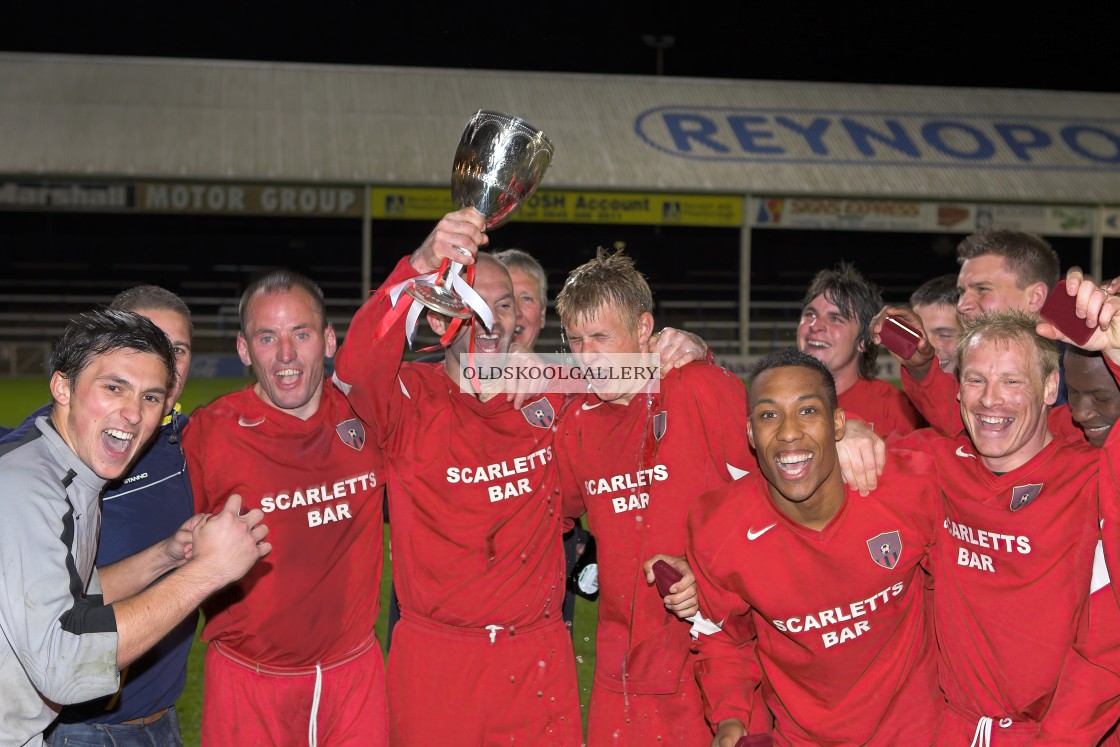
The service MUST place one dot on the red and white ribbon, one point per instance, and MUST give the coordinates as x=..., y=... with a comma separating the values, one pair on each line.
x=455, y=282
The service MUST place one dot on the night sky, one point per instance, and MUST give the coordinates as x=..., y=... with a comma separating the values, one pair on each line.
x=1065, y=47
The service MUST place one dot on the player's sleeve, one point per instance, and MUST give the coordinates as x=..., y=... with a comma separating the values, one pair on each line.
x=1086, y=702
x=935, y=398
x=726, y=665
x=721, y=402
x=1109, y=496
x=61, y=632
x=1060, y=422
x=921, y=441
x=367, y=366
x=904, y=417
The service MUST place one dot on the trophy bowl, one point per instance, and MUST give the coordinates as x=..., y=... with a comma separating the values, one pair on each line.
x=498, y=164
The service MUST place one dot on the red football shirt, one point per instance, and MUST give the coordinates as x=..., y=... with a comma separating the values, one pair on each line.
x=474, y=494
x=882, y=406
x=636, y=469
x=843, y=634
x=1012, y=571
x=1087, y=701
x=320, y=482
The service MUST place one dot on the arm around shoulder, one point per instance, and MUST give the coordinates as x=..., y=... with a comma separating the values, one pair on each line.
x=935, y=398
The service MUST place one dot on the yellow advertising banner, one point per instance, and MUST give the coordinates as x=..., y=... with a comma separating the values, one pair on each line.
x=568, y=206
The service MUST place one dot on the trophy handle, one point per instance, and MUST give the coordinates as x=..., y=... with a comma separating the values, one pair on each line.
x=453, y=269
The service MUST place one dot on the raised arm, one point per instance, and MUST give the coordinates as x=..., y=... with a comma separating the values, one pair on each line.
x=367, y=364
x=932, y=391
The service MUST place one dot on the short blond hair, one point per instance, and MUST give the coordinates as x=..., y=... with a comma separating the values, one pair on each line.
x=1009, y=325
x=610, y=278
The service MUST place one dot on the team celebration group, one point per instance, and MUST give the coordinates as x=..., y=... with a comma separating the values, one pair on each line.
x=815, y=558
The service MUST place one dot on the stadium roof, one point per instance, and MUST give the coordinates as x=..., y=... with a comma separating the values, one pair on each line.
x=106, y=117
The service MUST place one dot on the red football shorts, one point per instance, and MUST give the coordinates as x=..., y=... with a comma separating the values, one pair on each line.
x=676, y=719
x=957, y=728
x=452, y=686
x=244, y=707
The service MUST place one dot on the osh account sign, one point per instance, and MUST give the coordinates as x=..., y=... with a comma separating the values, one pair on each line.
x=571, y=206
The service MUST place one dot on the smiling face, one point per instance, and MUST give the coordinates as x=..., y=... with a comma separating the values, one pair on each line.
x=530, y=307
x=111, y=410
x=794, y=432
x=830, y=337
x=596, y=336
x=1094, y=399
x=491, y=281
x=942, y=330
x=1004, y=400
x=986, y=286
x=284, y=342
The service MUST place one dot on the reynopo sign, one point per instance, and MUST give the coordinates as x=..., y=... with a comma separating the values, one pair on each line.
x=882, y=138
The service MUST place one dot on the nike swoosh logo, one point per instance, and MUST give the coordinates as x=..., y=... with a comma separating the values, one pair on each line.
x=962, y=453
x=752, y=535
x=246, y=424
x=587, y=406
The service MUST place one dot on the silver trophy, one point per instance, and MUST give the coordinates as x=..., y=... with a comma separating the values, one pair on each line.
x=498, y=164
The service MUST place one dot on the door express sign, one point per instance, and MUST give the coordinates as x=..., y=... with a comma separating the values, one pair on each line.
x=882, y=138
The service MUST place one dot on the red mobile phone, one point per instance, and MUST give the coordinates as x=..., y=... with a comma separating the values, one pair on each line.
x=1059, y=309
x=899, y=337
x=665, y=575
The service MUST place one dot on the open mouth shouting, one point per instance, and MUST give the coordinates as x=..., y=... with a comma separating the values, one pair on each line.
x=116, y=441
x=488, y=342
x=793, y=464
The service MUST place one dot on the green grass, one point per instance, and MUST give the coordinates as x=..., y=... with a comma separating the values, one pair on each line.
x=18, y=397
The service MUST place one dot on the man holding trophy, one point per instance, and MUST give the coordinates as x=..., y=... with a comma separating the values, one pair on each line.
x=477, y=558
x=476, y=524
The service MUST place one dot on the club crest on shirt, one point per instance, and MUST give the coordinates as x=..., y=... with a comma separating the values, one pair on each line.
x=539, y=413
x=885, y=549
x=659, y=424
x=1021, y=495
x=352, y=433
